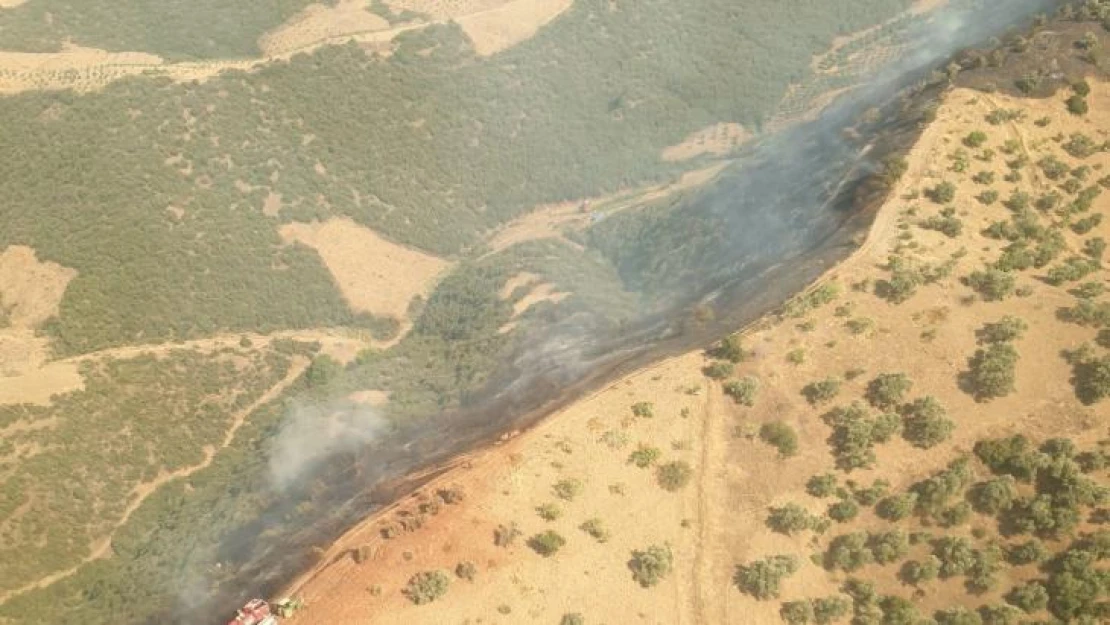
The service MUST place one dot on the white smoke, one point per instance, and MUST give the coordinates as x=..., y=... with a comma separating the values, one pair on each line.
x=312, y=432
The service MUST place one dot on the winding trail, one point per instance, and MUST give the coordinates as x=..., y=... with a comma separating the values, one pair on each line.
x=103, y=547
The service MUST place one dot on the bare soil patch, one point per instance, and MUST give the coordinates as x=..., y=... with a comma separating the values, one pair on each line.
x=445, y=9
x=375, y=275
x=319, y=21
x=499, y=28
x=30, y=292
x=716, y=140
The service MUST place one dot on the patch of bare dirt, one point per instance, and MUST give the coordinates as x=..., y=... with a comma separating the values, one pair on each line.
x=30, y=292
x=370, y=397
x=716, y=140
x=503, y=27
x=445, y=9
x=8, y=4
x=319, y=21
x=545, y=292
x=375, y=275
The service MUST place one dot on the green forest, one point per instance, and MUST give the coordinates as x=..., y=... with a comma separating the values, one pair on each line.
x=431, y=147
x=170, y=29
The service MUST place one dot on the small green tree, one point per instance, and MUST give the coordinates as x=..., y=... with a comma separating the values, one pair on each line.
x=651, y=565
x=731, y=348
x=466, y=570
x=897, y=507
x=994, y=495
x=991, y=372
x=572, y=618
x=828, y=610
x=992, y=284
x=718, y=370
x=916, y=572
x=1029, y=552
x=823, y=485
x=888, y=390
x=797, y=612
x=958, y=615
x=926, y=423
x=848, y=552
x=1077, y=105
x=844, y=510
x=789, y=519
x=1006, y=329
x=1031, y=597
x=889, y=546
x=762, y=579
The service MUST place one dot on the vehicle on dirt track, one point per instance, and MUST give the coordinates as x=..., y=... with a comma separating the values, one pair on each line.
x=258, y=612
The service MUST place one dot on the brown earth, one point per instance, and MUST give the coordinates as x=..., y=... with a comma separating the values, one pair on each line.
x=375, y=275
x=718, y=521
x=319, y=22
x=716, y=140
x=502, y=27
x=30, y=292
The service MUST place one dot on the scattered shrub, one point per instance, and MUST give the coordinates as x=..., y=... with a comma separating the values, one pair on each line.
x=821, y=391
x=596, y=529
x=942, y=193
x=828, y=610
x=568, y=489
x=572, y=618
x=644, y=456
x=427, y=586
x=1008, y=328
x=547, y=543
x=731, y=348
x=674, y=476
x=549, y=511
x=742, y=391
x=821, y=485
x=651, y=565
x=466, y=570
x=1077, y=105
x=780, y=436
x=506, y=535
x=643, y=409
x=718, y=370
x=975, y=139
x=992, y=284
